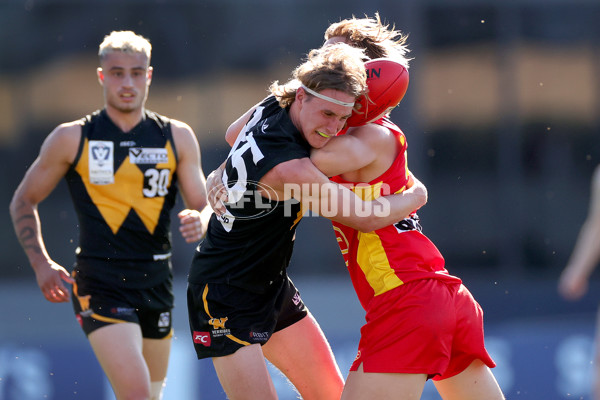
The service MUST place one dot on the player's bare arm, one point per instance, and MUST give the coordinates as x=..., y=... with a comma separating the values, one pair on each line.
x=56, y=156
x=366, y=151
x=192, y=183
x=300, y=179
x=573, y=282
x=236, y=127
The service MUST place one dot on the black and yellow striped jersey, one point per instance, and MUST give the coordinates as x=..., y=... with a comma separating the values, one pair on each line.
x=123, y=186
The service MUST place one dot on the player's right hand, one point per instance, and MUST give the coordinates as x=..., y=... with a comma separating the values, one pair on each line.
x=217, y=192
x=572, y=285
x=51, y=279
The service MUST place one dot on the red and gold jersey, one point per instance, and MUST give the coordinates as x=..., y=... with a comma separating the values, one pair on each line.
x=381, y=260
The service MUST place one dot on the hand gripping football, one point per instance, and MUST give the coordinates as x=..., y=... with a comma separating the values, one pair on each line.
x=387, y=81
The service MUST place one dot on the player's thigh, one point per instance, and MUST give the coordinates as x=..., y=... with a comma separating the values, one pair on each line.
x=476, y=382
x=244, y=374
x=156, y=353
x=302, y=353
x=383, y=386
x=118, y=348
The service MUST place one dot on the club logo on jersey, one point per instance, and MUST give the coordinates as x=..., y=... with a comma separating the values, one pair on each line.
x=218, y=323
x=141, y=155
x=101, y=156
x=202, y=338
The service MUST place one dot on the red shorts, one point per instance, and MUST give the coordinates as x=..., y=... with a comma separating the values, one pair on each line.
x=422, y=327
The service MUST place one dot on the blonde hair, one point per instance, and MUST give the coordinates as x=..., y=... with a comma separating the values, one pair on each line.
x=125, y=41
x=339, y=67
x=376, y=38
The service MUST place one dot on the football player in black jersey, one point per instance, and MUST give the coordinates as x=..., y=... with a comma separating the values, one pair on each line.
x=242, y=305
x=123, y=165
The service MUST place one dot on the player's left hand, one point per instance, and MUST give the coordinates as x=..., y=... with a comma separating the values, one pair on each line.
x=193, y=226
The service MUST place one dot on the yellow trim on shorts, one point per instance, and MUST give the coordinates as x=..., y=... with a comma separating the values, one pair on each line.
x=204, y=295
x=107, y=319
x=238, y=340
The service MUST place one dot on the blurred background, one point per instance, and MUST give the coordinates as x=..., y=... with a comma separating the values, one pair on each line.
x=502, y=123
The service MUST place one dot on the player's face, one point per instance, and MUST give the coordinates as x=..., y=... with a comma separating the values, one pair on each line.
x=320, y=120
x=125, y=78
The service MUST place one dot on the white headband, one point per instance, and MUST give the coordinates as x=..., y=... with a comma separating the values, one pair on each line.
x=327, y=98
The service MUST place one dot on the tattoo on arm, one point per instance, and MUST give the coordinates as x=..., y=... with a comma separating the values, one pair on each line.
x=26, y=234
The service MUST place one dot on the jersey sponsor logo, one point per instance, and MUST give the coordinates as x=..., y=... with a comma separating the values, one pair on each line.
x=127, y=143
x=202, y=338
x=259, y=336
x=143, y=155
x=122, y=310
x=101, y=158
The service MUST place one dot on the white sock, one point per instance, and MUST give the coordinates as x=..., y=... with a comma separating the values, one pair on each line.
x=156, y=389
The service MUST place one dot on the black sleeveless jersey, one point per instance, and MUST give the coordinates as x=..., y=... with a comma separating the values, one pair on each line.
x=123, y=187
x=251, y=245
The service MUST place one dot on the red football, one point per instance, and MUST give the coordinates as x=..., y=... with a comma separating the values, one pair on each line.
x=387, y=81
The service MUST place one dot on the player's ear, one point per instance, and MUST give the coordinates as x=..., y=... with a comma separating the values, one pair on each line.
x=300, y=94
x=100, y=74
x=149, y=76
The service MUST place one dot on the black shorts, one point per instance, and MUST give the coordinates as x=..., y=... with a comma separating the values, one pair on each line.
x=225, y=318
x=97, y=304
